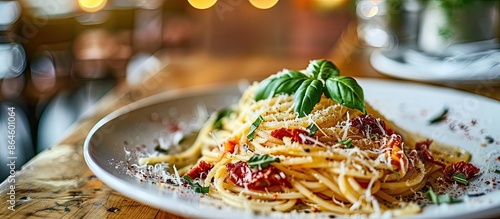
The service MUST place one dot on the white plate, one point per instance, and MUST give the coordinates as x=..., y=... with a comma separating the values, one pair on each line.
x=470, y=119
x=410, y=64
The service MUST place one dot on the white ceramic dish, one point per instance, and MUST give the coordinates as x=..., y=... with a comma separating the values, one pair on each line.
x=483, y=67
x=470, y=119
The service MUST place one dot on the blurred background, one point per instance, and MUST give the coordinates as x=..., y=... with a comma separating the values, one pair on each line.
x=59, y=57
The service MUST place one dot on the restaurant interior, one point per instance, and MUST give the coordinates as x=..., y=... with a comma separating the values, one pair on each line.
x=59, y=59
x=61, y=56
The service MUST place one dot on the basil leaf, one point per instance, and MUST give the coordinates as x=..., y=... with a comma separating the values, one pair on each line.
x=254, y=127
x=398, y=175
x=489, y=139
x=347, y=142
x=439, y=199
x=322, y=76
x=312, y=129
x=322, y=69
x=201, y=189
x=261, y=161
x=345, y=91
x=195, y=186
x=497, y=171
x=220, y=115
x=461, y=178
x=285, y=82
x=432, y=196
x=188, y=179
x=307, y=96
x=441, y=117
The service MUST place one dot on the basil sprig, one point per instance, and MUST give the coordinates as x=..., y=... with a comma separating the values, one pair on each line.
x=321, y=77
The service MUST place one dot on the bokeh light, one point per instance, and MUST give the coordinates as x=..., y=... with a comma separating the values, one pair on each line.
x=43, y=73
x=13, y=60
x=367, y=9
x=9, y=13
x=202, y=4
x=263, y=4
x=92, y=5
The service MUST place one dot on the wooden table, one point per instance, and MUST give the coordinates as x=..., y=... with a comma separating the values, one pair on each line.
x=58, y=184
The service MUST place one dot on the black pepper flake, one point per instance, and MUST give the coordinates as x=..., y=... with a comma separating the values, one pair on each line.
x=473, y=122
x=113, y=209
x=331, y=216
x=307, y=150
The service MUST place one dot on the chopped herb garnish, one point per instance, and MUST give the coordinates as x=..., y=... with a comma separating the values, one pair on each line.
x=461, y=178
x=254, y=127
x=312, y=129
x=160, y=149
x=220, y=115
x=398, y=175
x=444, y=198
x=440, y=199
x=497, y=171
x=347, y=142
x=188, y=179
x=261, y=161
x=321, y=77
x=374, y=136
x=441, y=117
x=195, y=186
x=489, y=139
x=432, y=196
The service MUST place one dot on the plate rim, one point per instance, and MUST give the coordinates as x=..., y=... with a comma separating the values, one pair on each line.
x=377, y=57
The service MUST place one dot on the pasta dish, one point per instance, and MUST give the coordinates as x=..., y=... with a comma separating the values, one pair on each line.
x=307, y=140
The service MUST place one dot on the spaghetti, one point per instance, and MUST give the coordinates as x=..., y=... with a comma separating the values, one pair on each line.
x=263, y=156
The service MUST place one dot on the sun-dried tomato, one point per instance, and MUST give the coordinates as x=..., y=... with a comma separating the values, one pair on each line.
x=259, y=178
x=200, y=170
x=368, y=124
x=468, y=169
x=294, y=134
x=424, y=153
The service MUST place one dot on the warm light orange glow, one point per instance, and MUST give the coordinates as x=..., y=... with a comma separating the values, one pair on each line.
x=263, y=4
x=202, y=4
x=92, y=5
x=330, y=4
